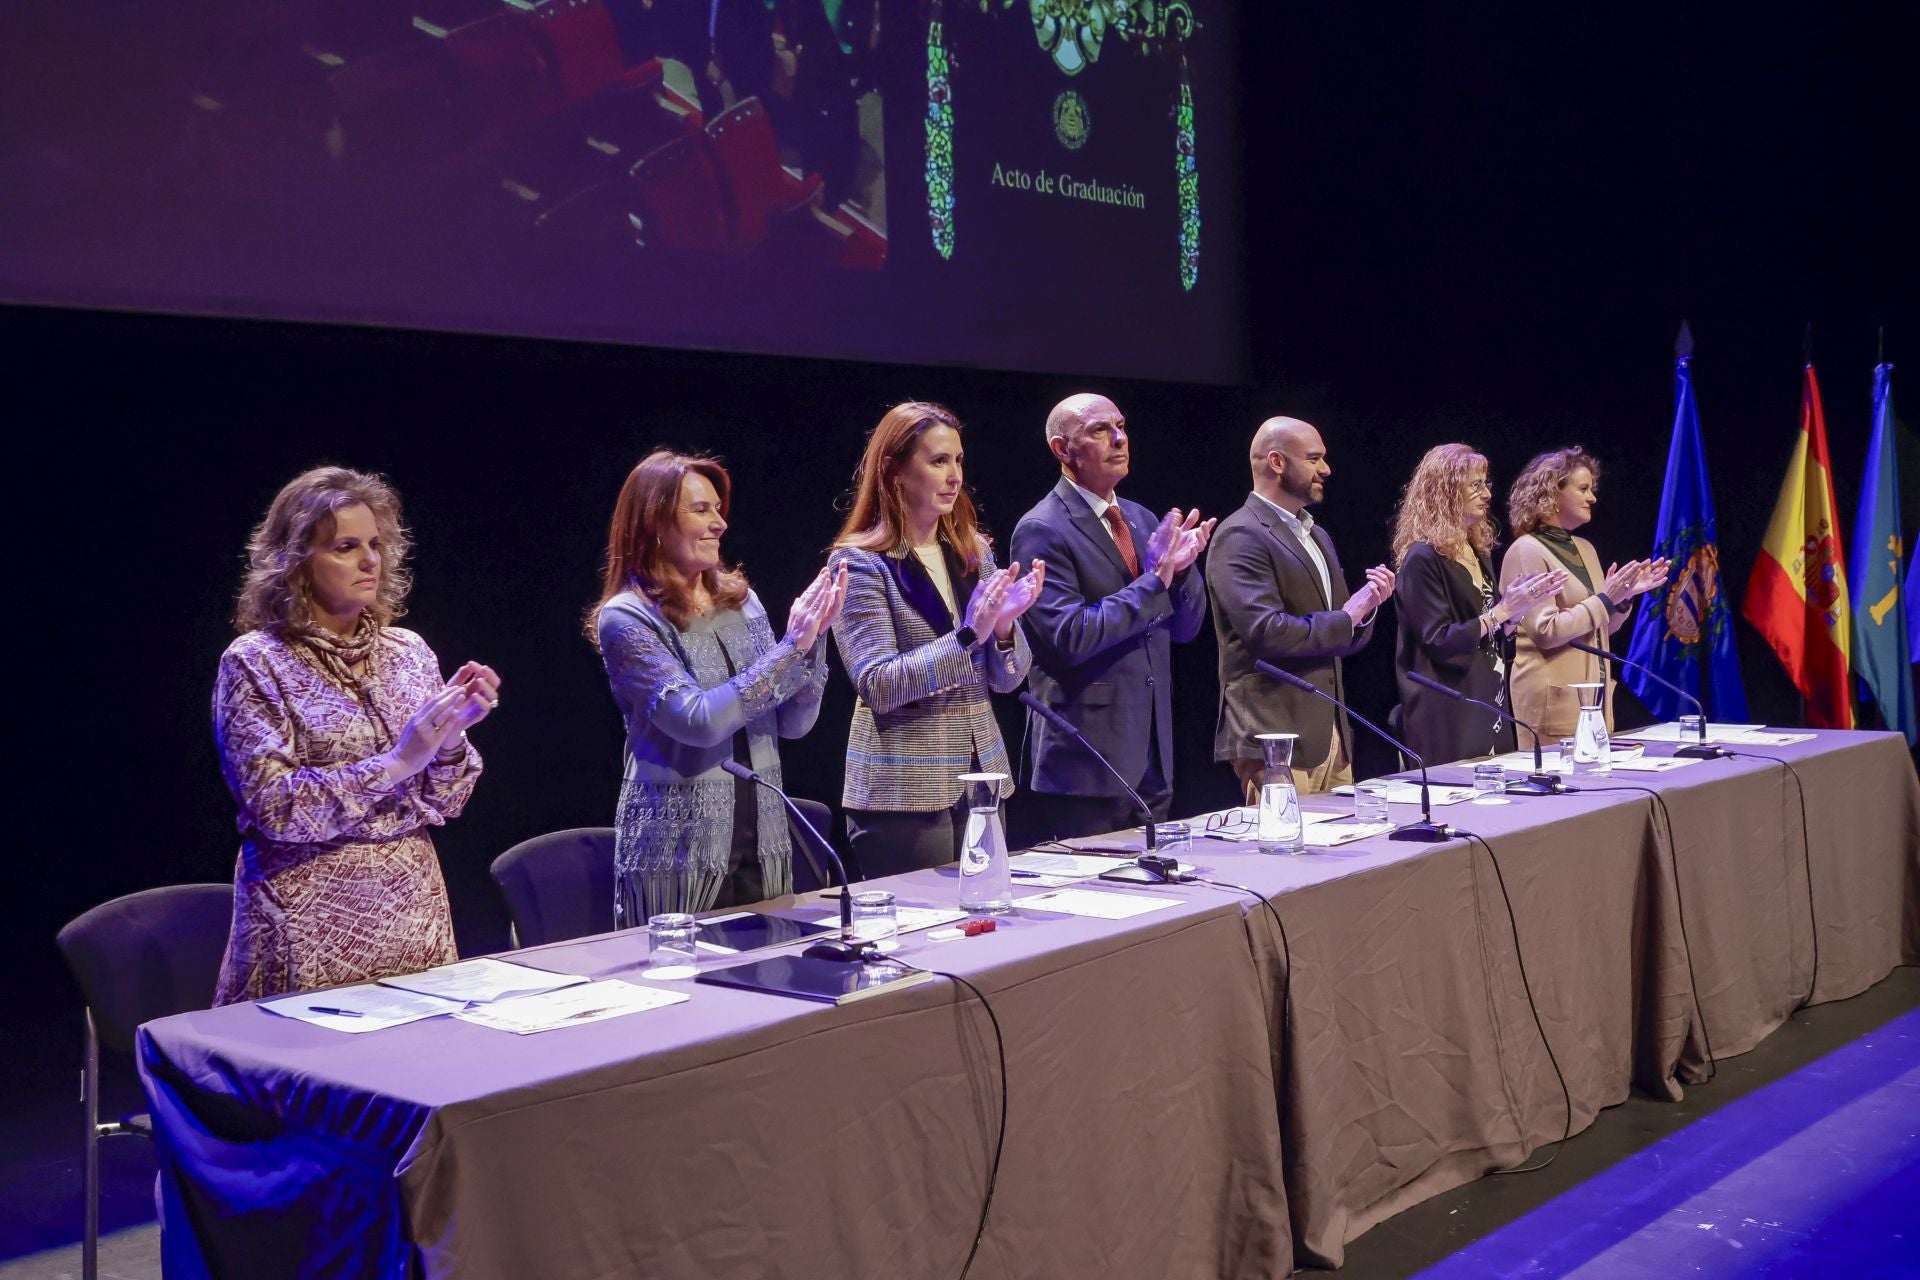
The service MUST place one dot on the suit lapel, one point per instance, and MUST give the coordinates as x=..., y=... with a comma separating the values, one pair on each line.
x=916, y=587
x=1284, y=539
x=1092, y=528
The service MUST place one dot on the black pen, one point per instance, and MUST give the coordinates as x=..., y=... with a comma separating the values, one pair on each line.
x=338, y=1013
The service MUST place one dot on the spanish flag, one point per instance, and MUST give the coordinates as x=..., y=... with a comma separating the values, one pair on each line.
x=1797, y=596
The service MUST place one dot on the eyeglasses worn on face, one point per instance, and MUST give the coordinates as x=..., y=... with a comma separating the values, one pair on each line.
x=1479, y=486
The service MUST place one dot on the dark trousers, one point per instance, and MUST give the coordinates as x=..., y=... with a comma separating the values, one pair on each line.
x=887, y=843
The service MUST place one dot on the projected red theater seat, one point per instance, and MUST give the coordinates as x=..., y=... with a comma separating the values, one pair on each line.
x=758, y=187
x=677, y=198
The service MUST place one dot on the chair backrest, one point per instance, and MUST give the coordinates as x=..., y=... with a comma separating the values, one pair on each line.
x=678, y=197
x=585, y=46
x=148, y=955
x=559, y=885
x=748, y=160
x=812, y=868
x=504, y=71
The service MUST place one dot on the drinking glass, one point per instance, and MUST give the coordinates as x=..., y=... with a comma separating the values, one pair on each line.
x=1370, y=803
x=675, y=952
x=876, y=919
x=1489, y=782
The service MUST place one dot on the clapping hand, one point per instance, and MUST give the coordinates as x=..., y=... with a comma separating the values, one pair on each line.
x=1020, y=595
x=1379, y=585
x=1176, y=543
x=482, y=686
x=1524, y=593
x=466, y=700
x=814, y=612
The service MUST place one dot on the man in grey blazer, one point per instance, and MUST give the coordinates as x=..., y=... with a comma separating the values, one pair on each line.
x=1121, y=587
x=1280, y=596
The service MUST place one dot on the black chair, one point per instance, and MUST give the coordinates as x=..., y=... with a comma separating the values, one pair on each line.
x=812, y=867
x=137, y=958
x=559, y=885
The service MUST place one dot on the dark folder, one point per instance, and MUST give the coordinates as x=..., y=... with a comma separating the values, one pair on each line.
x=810, y=978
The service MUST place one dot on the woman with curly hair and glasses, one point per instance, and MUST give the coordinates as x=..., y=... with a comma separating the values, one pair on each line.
x=1454, y=626
x=342, y=744
x=1553, y=496
x=701, y=681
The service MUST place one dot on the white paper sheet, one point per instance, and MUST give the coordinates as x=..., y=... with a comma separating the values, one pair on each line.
x=1331, y=835
x=482, y=981
x=571, y=1006
x=1670, y=732
x=368, y=1007
x=1095, y=903
x=1654, y=764
x=1065, y=866
x=1402, y=792
x=1763, y=738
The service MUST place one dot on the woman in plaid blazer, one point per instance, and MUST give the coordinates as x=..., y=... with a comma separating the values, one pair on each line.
x=926, y=633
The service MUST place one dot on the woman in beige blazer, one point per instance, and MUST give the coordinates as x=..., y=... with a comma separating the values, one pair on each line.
x=1552, y=497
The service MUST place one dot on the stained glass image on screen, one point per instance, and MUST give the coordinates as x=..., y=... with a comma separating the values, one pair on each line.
x=1035, y=184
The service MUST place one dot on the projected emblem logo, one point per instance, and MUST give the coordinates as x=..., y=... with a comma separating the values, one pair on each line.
x=1071, y=123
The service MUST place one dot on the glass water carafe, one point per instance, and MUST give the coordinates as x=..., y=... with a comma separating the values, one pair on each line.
x=986, y=880
x=1592, y=747
x=1280, y=828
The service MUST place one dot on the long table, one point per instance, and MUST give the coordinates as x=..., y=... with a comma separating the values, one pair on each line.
x=1188, y=1093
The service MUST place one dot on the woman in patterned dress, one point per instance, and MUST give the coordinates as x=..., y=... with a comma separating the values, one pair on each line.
x=700, y=680
x=341, y=744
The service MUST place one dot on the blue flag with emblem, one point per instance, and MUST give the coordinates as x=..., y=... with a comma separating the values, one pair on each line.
x=1881, y=653
x=1685, y=629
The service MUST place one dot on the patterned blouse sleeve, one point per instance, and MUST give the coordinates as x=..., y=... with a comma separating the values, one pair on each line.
x=446, y=788
x=644, y=668
x=279, y=796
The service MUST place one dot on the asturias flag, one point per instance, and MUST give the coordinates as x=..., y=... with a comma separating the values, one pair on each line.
x=1797, y=597
x=1880, y=653
x=1685, y=629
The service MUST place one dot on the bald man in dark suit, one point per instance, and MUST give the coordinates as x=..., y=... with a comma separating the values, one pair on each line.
x=1122, y=588
x=1280, y=596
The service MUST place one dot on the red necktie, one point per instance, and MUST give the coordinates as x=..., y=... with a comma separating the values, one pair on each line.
x=1123, y=538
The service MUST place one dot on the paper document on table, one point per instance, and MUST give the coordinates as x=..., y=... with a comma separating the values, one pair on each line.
x=909, y=919
x=1670, y=732
x=1655, y=764
x=1065, y=866
x=570, y=1006
x=482, y=980
x=1402, y=792
x=1762, y=738
x=1094, y=903
x=363, y=1008
x=1522, y=762
x=1330, y=835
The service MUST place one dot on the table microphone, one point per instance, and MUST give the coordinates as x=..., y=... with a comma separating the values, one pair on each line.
x=846, y=948
x=1539, y=782
x=1421, y=832
x=1702, y=750
x=1156, y=869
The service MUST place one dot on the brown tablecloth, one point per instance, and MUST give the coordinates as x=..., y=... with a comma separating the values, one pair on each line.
x=742, y=1134
x=747, y=1135
x=1410, y=1062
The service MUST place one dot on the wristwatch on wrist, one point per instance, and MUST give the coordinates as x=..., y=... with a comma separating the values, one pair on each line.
x=967, y=637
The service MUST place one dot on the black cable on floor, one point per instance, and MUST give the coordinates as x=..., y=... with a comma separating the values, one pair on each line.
x=1000, y=1142
x=1680, y=912
x=1806, y=852
x=1519, y=955
x=1286, y=951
